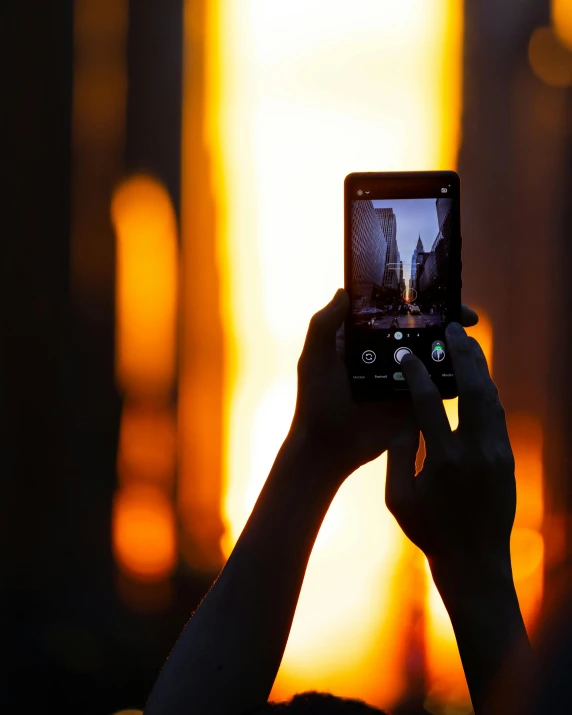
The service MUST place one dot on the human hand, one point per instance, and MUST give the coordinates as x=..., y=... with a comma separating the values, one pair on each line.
x=460, y=508
x=348, y=433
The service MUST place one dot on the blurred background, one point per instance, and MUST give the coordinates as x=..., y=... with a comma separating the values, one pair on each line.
x=172, y=217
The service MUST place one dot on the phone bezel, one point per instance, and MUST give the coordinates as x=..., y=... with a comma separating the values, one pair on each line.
x=406, y=185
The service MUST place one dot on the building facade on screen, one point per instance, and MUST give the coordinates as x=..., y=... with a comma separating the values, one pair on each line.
x=369, y=252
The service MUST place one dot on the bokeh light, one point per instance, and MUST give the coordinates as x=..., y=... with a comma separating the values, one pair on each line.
x=527, y=544
x=550, y=60
x=147, y=444
x=144, y=532
x=147, y=267
x=562, y=21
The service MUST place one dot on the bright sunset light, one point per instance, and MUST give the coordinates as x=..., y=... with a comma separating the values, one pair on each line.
x=299, y=95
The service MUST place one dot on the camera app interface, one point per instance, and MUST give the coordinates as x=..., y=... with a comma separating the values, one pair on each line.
x=399, y=275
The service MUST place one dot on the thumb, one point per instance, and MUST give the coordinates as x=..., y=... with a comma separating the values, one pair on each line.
x=400, y=480
x=326, y=322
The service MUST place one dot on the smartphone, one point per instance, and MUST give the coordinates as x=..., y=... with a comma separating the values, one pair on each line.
x=403, y=276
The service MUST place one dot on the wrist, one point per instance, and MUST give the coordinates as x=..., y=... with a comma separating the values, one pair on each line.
x=466, y=582
x=319, y=464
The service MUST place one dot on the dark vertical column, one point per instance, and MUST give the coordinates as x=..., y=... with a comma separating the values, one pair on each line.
x=35, y=138
x=153, y=124
x=154, y=95
x=514, y=166
x=35, y=266
x=558, y=442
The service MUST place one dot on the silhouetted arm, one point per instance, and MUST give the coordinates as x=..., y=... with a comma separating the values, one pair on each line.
x=499, y=663
x=460, y=510
x=227, y=658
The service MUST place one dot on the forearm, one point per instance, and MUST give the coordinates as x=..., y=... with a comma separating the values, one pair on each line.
x=227, y=658
x=498, y=661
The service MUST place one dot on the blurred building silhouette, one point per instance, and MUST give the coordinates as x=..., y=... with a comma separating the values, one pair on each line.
x=515, y=165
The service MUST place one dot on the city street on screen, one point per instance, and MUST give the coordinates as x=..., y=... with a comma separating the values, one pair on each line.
x=400, y=263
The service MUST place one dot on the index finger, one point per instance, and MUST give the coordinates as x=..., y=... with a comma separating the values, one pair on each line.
x=427, y=402
x=492, y=403
x=468, y=376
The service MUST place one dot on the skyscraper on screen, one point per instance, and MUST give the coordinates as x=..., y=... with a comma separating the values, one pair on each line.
x=369, y=252
x=388, y=223
x=414, y=259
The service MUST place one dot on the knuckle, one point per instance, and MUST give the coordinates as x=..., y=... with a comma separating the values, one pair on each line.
x=494, y=458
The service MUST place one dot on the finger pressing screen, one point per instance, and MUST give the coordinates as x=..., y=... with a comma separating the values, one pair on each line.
x=427, y=402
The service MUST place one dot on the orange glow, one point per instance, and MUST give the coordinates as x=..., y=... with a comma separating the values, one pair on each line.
x=144, y=532
x=146, y=233
x=527, y=545
x=482, y=332
x=201, y=368
x=147, y=444
x=527, y=549
x=297, y=97
x=144, y=538
x=550, y=60
x=562, y=21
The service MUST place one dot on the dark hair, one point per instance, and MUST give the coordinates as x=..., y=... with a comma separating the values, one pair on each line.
x=313, y=703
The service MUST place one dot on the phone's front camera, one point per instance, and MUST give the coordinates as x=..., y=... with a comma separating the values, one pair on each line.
x=359, y=192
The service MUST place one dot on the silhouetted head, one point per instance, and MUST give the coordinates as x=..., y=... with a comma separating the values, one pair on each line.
x=313, y=703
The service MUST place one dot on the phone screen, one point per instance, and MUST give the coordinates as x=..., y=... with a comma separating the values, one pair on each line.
x=403, y=275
